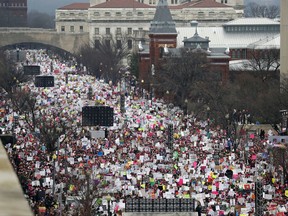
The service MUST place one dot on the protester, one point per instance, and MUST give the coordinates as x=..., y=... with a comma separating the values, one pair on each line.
x=134, y=159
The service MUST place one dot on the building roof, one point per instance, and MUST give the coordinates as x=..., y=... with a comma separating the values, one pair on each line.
x=196, y=38
x=122, y=4
x=252, y=21
x=249, y=65
x=76, y=6
x=266, y=43
x=220, y=38
x=162, y=22
x=205, y=4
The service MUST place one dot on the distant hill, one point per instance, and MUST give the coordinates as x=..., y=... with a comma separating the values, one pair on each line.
x=49, y=6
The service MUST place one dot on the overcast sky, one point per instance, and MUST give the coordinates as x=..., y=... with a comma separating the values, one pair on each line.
x=49, y=6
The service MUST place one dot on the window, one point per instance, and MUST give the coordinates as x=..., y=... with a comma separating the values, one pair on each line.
x=97, y=44
x=211, y=13
x=150, y=1
x=129, y=31
x=244, y=54
x=140, y=29
x=118, y=14
x=71, y=28
x=172, y=1
x=62, y=14
x=129, y=43
x=81, y=28
x=81, y=14
x=96, y=30
x=107, y=14
x=161, y=51
x=119, y=44
x=71, y=14
x=238, y=54
x=96, y=14
x=140, y=14
x=107, y=30
x=62, y=28
x=118, y=30
x=129, y=14
x=201, y=14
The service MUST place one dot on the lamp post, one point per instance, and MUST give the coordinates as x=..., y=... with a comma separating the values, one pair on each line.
x=142, y=87
x=167, y=95
x=17, y=54
x=186, y=107
x=284, y=123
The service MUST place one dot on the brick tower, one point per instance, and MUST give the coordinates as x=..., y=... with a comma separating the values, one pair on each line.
x=13, y=13
x=162, y=32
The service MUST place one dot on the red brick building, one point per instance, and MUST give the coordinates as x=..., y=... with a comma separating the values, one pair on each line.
x=163, y=39
x=13, y=13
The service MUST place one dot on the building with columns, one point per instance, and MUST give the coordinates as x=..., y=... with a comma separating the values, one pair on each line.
x=233, y=3
x=132, y=17
x=13, y=13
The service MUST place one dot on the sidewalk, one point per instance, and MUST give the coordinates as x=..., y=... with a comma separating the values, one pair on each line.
x=12, y=200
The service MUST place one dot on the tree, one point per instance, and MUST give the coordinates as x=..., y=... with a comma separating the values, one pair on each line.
x=24, y=103
x=11, y=74
x=134, y=64
x=258, y=81
x=49, y=123
x=265, y=63
x=179, y=74
x=256, y=10
x=105, y=58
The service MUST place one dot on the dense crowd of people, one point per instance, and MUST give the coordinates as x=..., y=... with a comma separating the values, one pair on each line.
x=133, y=159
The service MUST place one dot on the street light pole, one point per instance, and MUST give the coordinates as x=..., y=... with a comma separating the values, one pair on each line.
x=17, y=54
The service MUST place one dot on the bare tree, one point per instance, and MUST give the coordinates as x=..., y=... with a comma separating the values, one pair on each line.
x=265, y=63
x=105, y=58
x=24, y=103
x=178, y=74
x=256, y=10
x=11, y=74
x=51, y=123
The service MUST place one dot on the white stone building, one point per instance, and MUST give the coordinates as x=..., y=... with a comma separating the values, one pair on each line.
x=132, y=17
